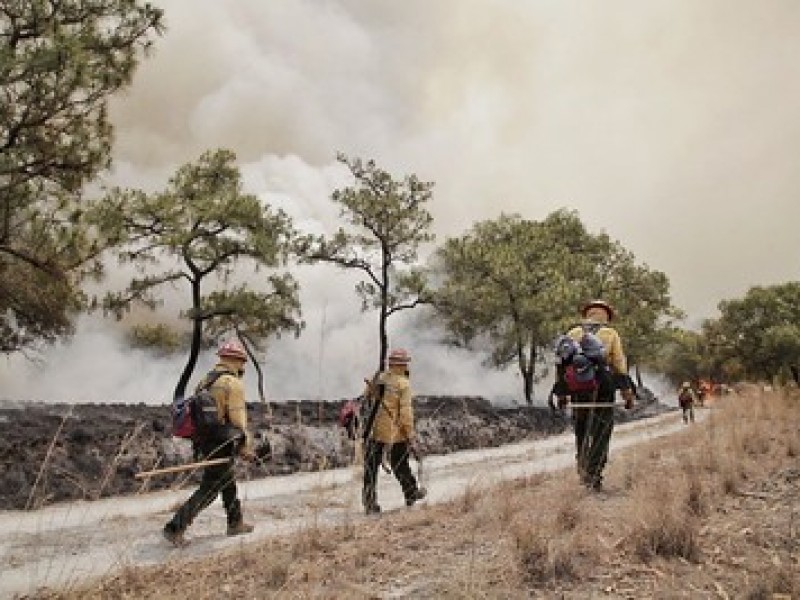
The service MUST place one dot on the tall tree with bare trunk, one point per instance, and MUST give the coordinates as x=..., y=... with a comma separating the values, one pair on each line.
x=204, y=231
x=388, y=221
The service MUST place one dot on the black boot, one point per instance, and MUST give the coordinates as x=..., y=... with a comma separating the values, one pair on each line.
x=236, y=524
x=416, y=495
x=173, y=535
x=239, y=528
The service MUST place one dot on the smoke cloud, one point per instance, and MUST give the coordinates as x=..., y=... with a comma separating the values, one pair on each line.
x=671, y=126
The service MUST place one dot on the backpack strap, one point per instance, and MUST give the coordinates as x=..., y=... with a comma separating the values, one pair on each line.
x=208, y=383
x=211, y=379
x=377, y=402
x=590, y=327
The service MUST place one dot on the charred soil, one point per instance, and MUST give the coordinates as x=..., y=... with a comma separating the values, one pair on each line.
x=54, y=452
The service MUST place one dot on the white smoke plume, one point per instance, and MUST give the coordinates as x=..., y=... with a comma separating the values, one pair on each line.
x=671, y=126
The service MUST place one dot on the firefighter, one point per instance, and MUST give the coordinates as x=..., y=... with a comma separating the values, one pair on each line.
x=593, y=426
x=686, y=399
x=390, y=432
x=230, y=437
x=703, y=392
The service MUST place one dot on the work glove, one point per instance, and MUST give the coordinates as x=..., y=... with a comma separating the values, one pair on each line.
x=629, y=397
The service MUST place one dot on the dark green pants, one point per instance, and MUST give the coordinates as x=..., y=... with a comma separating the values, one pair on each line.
x=398, y=460
x=217, y=480
x=593, y=427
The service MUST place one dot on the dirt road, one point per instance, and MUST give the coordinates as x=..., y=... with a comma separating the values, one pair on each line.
x=64, y=545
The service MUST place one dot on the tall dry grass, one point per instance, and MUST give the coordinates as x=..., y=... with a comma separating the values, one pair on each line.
x=538, y=536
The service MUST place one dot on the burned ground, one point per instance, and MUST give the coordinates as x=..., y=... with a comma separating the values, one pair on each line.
x=56, y=452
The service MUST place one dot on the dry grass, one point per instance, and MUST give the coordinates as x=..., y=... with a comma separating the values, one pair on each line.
x=35, y=498
x=667, y=522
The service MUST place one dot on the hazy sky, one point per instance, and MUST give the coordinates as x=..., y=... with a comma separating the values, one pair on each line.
x=671, y=125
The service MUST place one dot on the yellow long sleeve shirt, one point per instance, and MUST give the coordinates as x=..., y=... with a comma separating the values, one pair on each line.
x=394, y=421
x=228, y=393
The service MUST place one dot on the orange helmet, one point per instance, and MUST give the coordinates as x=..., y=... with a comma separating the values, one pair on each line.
x=599, y=304
x=398, y=356
x=232, y=349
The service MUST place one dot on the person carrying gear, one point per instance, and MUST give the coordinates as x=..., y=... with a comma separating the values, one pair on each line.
x=390, y=431
x=229, y=436
x=593, y=426
x=686, y=399
x=703, y=392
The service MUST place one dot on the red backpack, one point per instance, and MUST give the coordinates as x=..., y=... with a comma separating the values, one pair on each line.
x=348, y=417
x=195, y=416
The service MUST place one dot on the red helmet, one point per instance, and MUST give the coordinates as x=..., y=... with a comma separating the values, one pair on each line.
x=232, y=349
x=398, y=356
x=599, y=304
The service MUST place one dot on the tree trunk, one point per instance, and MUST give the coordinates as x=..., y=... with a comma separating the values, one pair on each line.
x=527, y=378
x=194, y=351
x=382, y=335
x=248, y=346
x=526, y=369
x=384, y=308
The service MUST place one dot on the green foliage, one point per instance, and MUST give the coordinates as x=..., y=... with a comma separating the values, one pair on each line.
x=682, y=356
x=504, y=285
x=200, y=228
x=388, y=223
x=511, y=285
x=639, y=295
x=160, y=338
x=59, y=64
x=756, y=336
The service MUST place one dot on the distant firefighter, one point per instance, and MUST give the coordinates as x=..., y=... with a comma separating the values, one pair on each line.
x=686, y=400
x=704, y=389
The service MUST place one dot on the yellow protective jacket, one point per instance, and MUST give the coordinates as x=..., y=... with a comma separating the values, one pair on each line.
x=615, y=356
x=394, y=420
x=228, y=392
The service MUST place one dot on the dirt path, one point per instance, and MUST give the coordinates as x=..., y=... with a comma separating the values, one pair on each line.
x=64, y=545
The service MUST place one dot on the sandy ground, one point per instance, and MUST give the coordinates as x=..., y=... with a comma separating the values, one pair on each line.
x=62, y=546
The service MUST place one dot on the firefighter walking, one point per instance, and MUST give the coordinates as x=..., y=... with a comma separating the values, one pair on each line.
x=390, y=431
x=230, y=438
x=593, y=426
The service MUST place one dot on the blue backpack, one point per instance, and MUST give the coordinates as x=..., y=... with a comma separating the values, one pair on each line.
x=582, y=359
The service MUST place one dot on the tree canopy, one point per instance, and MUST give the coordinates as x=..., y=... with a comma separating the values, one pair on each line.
x=388, y=221
x=198, y=231
x=510, y=285
x=640, y=296
x=502, y=287
x=758, y=335
x=59, y=64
